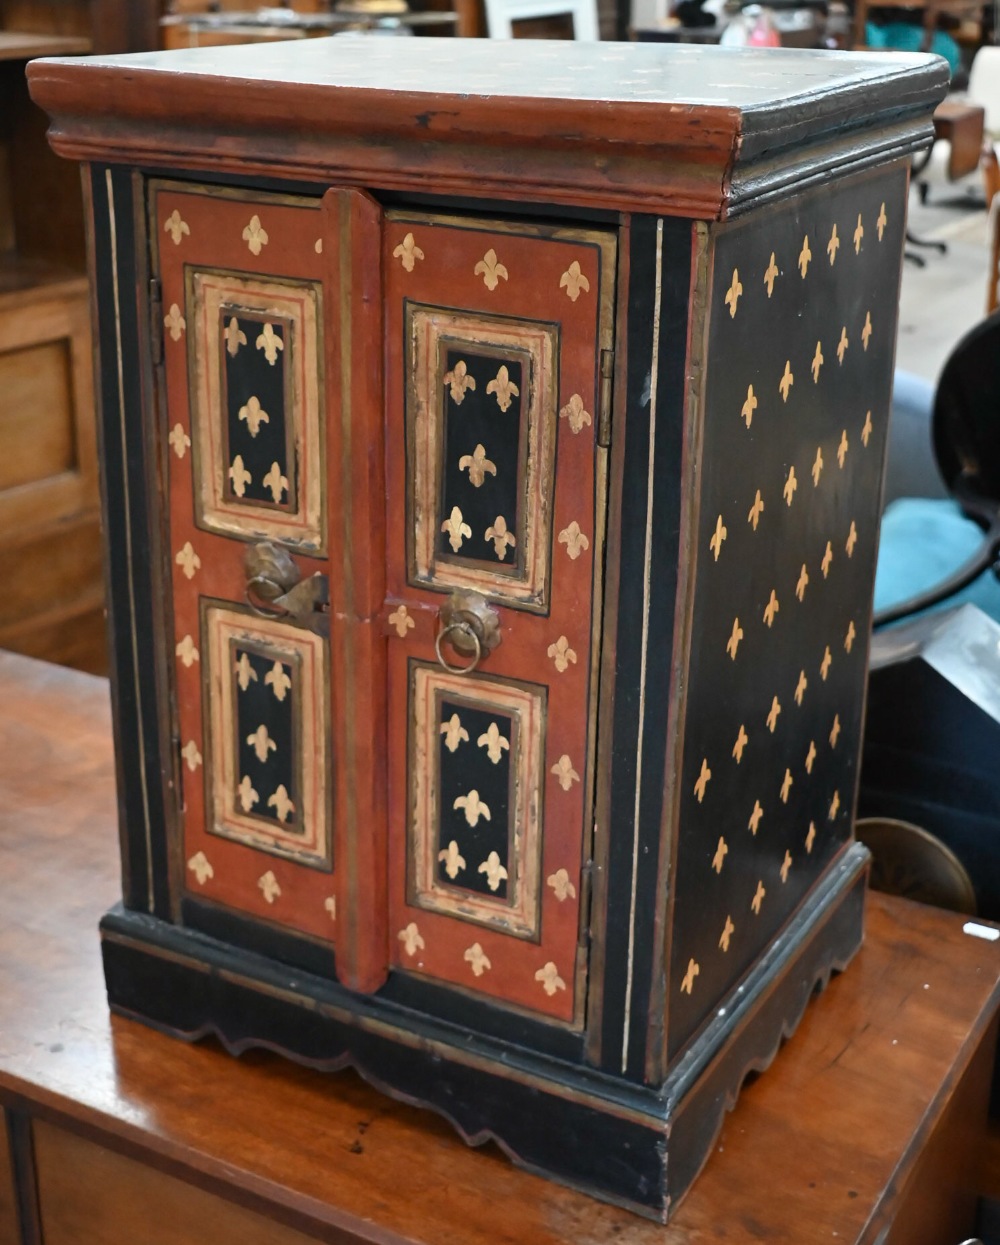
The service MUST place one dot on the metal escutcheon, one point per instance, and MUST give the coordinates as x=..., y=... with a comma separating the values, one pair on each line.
x=276, y=589
x=470, y=626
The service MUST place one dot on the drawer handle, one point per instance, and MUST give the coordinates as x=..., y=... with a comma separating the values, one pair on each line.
x=275, y=588
x=471, y=627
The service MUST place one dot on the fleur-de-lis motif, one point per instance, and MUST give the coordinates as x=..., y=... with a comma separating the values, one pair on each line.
x=786, y=786
x=866, y=332
x=827, y=559
x=817, y=363
x=490, y=269
x=176, y=227
x=803, y=583
x=174, y=322
x=733, y=294
x=179, y=440
x=255, y=235
x=561, y=885
x=281, y=804
x=842, y=449
x=477, y=959
x=727, y=932
x=187, y=652
x=771, y=608
x=473, y=808
x=859, y=234
x=188, y=560
x=791, y=484
x=687, y=984
x=835, y=730
x=269, y=887
x=575, y=412
x=817, y=467
x=811, y=756
x=753, y=825
x=550, y=979
x=410, y=937
x=742, y=739
x=882, y=221
x=852, y=539
x=504, y=389
x=245, y=673
x=704, y=777
x=235, y=337
x=278, y=681
x=454, y=732
x=850, y=637
x=191, y=755
x=842, y=344
x=275, y=483
x=758, y=898
x=494, y=870
x=771, y=275
x=733, y=643
x=715, y=544
x=239, y=476
x=253, y=414
x=454, y=862
x=459, y=380
x=478, y=465
x=573, y=281
x=501, y=537
x=248, y=796
x=562, y=654
x=800, y=687
x=456, y=528
x=786, y=865
x=564, y=771
x=200, y=867
x=756, y=510
x=749, y=406
x=824, y=665
x=574, y=540
x=262, y=743
x=833, y=246
x=494, y=743
x=787, y=380
x=810, y=838
x=407, y=252
x=805, y=255
x=866, y=431
x=721, y=852
x=401, y=620
x=772, y=716
x=834, y=807
x=330, y=905
x=269, y=341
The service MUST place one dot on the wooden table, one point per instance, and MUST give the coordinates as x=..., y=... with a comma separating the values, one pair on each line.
x=863, y=1130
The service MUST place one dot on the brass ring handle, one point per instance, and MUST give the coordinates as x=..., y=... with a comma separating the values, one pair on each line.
x=273, y=591
x=470, y=633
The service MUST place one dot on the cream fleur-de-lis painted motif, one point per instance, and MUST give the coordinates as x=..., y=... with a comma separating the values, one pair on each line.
x=562, y=887
x=248, y=796
x=174, y=322
x=721, y=852
x=407, y=252
x=179, y=440
x=459, y=380
x=564, y=771
x=454, y=861
x=235, y=337
x=733, y=294
x=275, y=483
x=805, y=255
x=866, y=431
x=704, y=777
x=833, y=246
x=177, y=227
x=825, y=664
x=269, y=887
x=786, y=786
x=245, y=673
x=727, y=932
x=456, y=528
x=200, y=867
x=550, y=979
x=188, y=560
x=491, y=270
x=771, y=275
x=827, y=559
x=882, y=221
x=786, y=865
x=186, y=651
x=842, y=344
x=477, y=959
x=330, y=906
x=269, y=341
x=503, y=539
x=454, y=733
x=401, y=620
x=772, y=715
x=742, y=739
x=817, y=467
x=803, y=583
x=239, y=475
x=852, y=539
x=575, y=413
x=720, y=534
x=255, y=235
x=835, y=730
x=494, y=870
x=810, y=838
x=811, y=756
x=561, y=654
x=834, y=807
x=574, y=540
x=503, y=388
x=758, y=898
x=262, y=743
x=473, y=807
x=733, y=643
x=756, y=510
x=411, y=937
x=866, y=332
x=253, y=415
x=791, y=484
x=494, y=743
x=787, y=380
x=771, y=608
x=478, y=466
x=753, y=825
x=191, y=755
x=278, y=681
x=842, y=449
x=817, y=363
x=859, y=234
x=573, y=281
x=749, y=406
x=800, y=687
x=850, y=637
x=687, y=984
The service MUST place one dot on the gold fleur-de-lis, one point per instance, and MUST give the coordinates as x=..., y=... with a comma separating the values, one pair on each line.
x=179, y=440
x=771, y=275
x=811, y=756
x=561, y=654
x=791, y=484
x=817, y=362
x=500, y=535
x=772, y=716
x=824, y=665
x=330, y=905
x=473, y=807
x=800, y=687
x=564, y=771
x=494, y=870
x=733, y=294
x=715, y=544
x=803, y=583
x=269, y=887
x=174, y=322
x=454, y=732
x=248, y=796
x=200, y=867
x=754, y=823
x=454, y=862
x=253, y=414
x=787, y=380
x=756, y=510
x=188, y=560
x=269, y=341
x=576, y=414
x=245, y=673
x=805, y=255
x=842, y=344
x=771, y=608
x=749, y=406
x=407, y=252
x=255, y=235
x=733, y=643
x=882, y=221
x=490, y=269
x=401, y=620
x=191, y=755
x=457, y=528
x=477, y=959
x=786, y=865
x=561, y=885
x=411, y=938
x=742, y=739
x=727, y=932
x=478, y=465
x=550, y=979
x=703, y=780
x=758, y=898
x=859, y=233
x=494, y=743
x=810, y=838
x=693, y=969
x=842, y=449
x=721, y=852
x=827, y=559
x=262, y=743
x=834, y=807
x=835, y=730
x=275, y=483
x=459, y=380
x=504, y=389
x=786, y=786
x=817, y=467
x=187, y=652
x=573, y=281
x=235, y=337
x=866, y=332
x=278, y=681
x=239, y=476
x=850, y=637
x=866, y=431
x=833, y=245
x=574, y=540
x=852, y=539
x=176, y=227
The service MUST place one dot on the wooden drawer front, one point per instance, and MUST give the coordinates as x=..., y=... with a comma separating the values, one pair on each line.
x=8, y=1203
x=92, y=1196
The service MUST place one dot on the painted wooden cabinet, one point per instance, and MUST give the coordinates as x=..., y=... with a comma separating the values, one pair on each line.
x=492, y=477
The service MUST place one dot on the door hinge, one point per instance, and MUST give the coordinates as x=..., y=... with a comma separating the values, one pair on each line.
x=156, y=319
x=607, y=387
